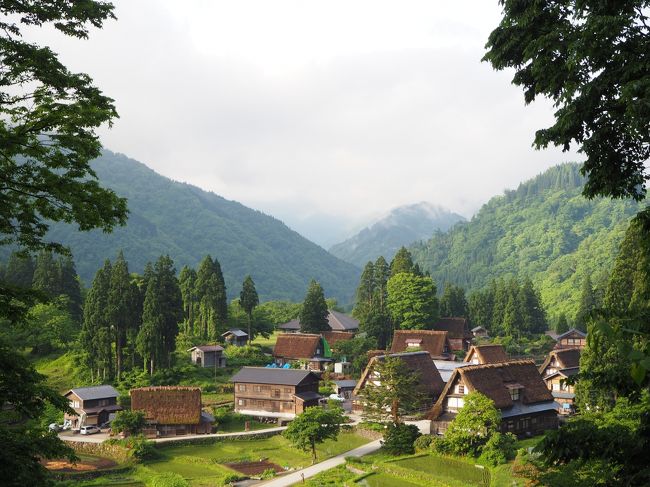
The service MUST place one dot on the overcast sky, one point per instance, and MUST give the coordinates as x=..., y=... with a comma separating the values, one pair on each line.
x=324, y=114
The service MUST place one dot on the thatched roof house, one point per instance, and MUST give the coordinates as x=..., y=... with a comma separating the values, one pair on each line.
x=432, y=341
x=557, y=360
x=171, y=410
x=429, y=381
x=573, y=338
x=457, y=332
x=302, y=346
x=486, y=354
x=334, y=337
x=517, y=389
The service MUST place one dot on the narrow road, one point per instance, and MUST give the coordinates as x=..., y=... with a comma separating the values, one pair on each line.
x=297, y=476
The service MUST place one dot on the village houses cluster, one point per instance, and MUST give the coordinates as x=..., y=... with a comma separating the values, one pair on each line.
x=530, y=397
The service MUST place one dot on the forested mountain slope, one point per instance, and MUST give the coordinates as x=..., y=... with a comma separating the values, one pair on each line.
x=167, y=217
x=545, y=230
x=401, y=227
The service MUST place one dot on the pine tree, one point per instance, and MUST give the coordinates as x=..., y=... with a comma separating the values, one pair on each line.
x=210, y=290
x=365, y=293
x=187, y=283
x=20, y=270
x=170, y=304
x=313, y=314
x=46, y=275
x=587, y=304
x=562, y=325
x=122, y=308
x=148, y=341
x=69, y=285
x=412, y=301
x=403, y=262
x=248, y=300
x=453, y=302
x=381, y=276
x=95, y=332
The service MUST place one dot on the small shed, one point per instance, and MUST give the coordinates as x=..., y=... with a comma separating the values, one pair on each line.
x=344, y=388
x=480, y=332
x=236, y=337
x=208, y=356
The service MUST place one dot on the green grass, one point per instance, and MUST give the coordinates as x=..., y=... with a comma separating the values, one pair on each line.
x=239, y=424
x=444, y=467
x=385, y=480
x=61, y=371
x=266, y=342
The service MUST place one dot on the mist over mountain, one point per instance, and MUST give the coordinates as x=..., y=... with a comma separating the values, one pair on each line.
x=186, y=222
x=401, y=227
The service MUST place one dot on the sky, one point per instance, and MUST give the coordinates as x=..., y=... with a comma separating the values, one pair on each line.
x=325, y=115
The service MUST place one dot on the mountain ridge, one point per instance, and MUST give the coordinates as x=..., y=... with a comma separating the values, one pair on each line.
x=402, y=226
x=187, y=222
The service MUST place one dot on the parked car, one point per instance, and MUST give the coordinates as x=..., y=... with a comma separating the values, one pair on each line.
x=89, y=430
x=55, y=427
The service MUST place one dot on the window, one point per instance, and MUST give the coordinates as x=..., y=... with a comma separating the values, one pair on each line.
x=242, y=387
x=287, y=390
x=276, y=392
x=455, y=402
x=556, y=386
x=260, y=404
x=103, y=402
x=514, y=394
x=258, y=388
x=241, y=402
x=461, y=389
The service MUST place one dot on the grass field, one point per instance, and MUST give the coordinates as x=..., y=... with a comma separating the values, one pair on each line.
x=385, y=480
x=239, y=424
x=266, y=342
x=447, y=468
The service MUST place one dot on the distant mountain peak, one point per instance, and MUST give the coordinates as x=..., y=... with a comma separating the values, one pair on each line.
x=402, y=226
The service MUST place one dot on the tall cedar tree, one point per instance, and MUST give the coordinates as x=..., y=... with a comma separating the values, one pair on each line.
x=95, y=331
x=588, y=304
x=210, y=290
x=412, y=301
x=453, y=302
x=122, y=309
x=248, y=300
x=403, y=262
x=371, y=297
x=313, y=314
x=149, y=343
x=70, y=287
x=187, y=283
x=395, y=395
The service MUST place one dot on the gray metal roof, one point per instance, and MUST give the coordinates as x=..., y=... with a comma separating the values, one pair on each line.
x=290, y=325
x=571, y=331
x=346, y=383
x=237, y=332
x=563, y=395
x=308, y=396
x=207, y=348
x=341, y=322
x=263, y=375
x=94, y=392
x=518, y=408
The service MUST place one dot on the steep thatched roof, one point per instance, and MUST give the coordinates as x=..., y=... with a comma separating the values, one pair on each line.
x=297, y=345
x=168, y=404
x=334, y=337
x=487, y=354
x=566, y=358
x=455, y=327
x=433, y=341
x=430, y=381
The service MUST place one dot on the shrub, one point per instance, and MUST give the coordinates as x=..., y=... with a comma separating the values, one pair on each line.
x=423, y=443
x=231, y=479
x=167, y=479
x=371, y=426
x=499, y=449
x=440, y=445
x=269, y=473
x=128, y=421
x=141, y=448
x=399, y=438
x=249, y=355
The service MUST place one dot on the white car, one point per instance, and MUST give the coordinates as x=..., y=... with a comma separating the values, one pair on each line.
x=89, y=430
x=336, y=397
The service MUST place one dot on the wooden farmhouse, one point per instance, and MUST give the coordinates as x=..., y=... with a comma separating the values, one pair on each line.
x=434, y=342
x=559, y=366
x=486, y=354
x=338, y=322
x=171, y=410
x=275, y=393
x=571, y=339
x=429, y=381
x=309, y=348
x=94, y=405
x=517, y=389
x=236, y=337
x=208, y=356
x=460, y=338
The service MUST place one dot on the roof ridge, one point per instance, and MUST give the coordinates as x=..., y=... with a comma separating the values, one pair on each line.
x=433, y=332
x=498, y=365
x=167, y=388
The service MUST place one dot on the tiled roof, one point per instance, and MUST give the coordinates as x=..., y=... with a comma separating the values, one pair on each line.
x=168, y=404
x=455, y=327
x=290, y=325
x=432, y=341
x=341, y=322
x=263, y=375
x=297, y=345
x=235, y=331
x=208, y=348
x=94, y=392
x=487, y=354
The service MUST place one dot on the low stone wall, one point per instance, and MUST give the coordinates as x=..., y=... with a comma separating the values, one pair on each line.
x=209, y=440
x=115, y=452
x=369, y=434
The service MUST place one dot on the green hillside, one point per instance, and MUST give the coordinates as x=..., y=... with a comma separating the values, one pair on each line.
x=545, y=230
x=167, y=217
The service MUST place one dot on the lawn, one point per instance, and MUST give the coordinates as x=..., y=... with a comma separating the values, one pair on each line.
x=447, y=468
x=238, y=423
x=385, y=480
x=266, y=342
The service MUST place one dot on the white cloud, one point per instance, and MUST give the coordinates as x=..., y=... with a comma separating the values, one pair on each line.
x=321, y=113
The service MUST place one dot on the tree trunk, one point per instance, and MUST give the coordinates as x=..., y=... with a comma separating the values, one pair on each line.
x=118, y=357
x=250, y=319
x=313, y=451
x=394, y=411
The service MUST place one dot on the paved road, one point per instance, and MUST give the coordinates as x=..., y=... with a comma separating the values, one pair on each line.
x=101, y=437
x=297, y=476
